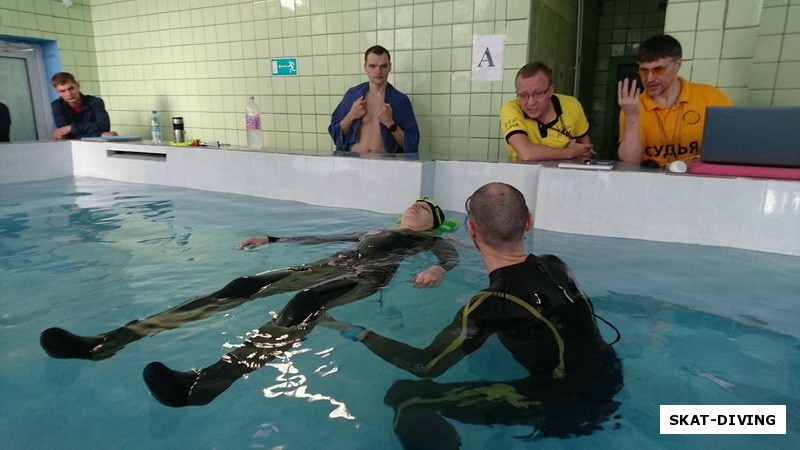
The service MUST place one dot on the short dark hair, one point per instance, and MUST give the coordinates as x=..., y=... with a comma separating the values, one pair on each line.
x=657, y=47
x=499, y=213
x=533, y=68
x=62, y=78
x=377, y=50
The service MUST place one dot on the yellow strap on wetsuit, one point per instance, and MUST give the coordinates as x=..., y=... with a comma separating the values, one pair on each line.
x=558, y=372
x=495, y=392
x=463, y=335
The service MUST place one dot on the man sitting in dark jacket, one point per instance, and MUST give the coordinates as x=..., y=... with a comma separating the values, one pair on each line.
x=77, y=115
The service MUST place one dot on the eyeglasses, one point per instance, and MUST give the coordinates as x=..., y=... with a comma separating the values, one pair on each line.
x=656, y=71
x=536, y=95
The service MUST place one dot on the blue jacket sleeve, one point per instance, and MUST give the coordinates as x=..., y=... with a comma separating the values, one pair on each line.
x=405, y=119
x=343, y=141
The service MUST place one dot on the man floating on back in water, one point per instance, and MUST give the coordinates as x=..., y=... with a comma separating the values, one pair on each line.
x=540, y=315
x=346, y=276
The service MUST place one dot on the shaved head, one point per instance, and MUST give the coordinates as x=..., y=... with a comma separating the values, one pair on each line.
x=499, y=213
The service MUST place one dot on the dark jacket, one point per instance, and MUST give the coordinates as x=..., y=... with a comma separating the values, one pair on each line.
x=90, y=122
x=5, y=123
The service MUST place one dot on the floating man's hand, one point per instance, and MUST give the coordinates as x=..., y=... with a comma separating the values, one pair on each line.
x=429, y=278
x=253, y=242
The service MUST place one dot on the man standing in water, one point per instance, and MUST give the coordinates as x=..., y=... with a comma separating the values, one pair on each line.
x=344, y=277
x=374, y=117
x=540, y=315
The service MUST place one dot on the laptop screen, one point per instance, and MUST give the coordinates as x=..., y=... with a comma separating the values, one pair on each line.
x=752, y=135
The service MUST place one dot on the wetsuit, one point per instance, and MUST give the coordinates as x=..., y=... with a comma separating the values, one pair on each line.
x=344, y=277
x=547, y=324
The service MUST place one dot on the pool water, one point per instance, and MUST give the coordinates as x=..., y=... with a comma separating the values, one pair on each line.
x=700, y=325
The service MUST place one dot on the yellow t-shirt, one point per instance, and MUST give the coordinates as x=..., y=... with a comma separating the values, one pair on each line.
x=570, y=123
x=676, y=133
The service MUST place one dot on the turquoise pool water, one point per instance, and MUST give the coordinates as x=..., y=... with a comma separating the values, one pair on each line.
x=700, y=325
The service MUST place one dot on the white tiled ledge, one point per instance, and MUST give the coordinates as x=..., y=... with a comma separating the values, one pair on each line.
x=752, y=214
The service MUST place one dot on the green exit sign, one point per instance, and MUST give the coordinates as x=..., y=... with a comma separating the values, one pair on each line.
x=284, y=67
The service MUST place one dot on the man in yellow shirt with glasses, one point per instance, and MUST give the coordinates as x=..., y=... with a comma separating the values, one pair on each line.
x=665, y=122
x=540, y=124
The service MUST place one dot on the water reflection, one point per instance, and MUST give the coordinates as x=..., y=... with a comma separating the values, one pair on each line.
x=46, y=235
x=292, y=383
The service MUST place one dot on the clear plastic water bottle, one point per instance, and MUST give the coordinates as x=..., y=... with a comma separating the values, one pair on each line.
x=255, y=140
x=155, y=128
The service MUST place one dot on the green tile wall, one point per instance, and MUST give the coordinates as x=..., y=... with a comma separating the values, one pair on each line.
x=622, y=26
x=749, y=49
x=72, y=28
x=201, y=58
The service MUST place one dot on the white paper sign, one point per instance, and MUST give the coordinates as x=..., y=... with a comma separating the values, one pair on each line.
x=487, y=57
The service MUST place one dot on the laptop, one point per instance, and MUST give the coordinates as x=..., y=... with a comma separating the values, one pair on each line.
x=752, y=135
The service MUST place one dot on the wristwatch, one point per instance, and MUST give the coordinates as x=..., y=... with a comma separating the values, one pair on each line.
x=393, y=128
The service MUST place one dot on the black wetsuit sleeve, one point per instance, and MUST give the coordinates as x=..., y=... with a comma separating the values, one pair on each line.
x=445, y=351
x=446, y=253
x=311, y=240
